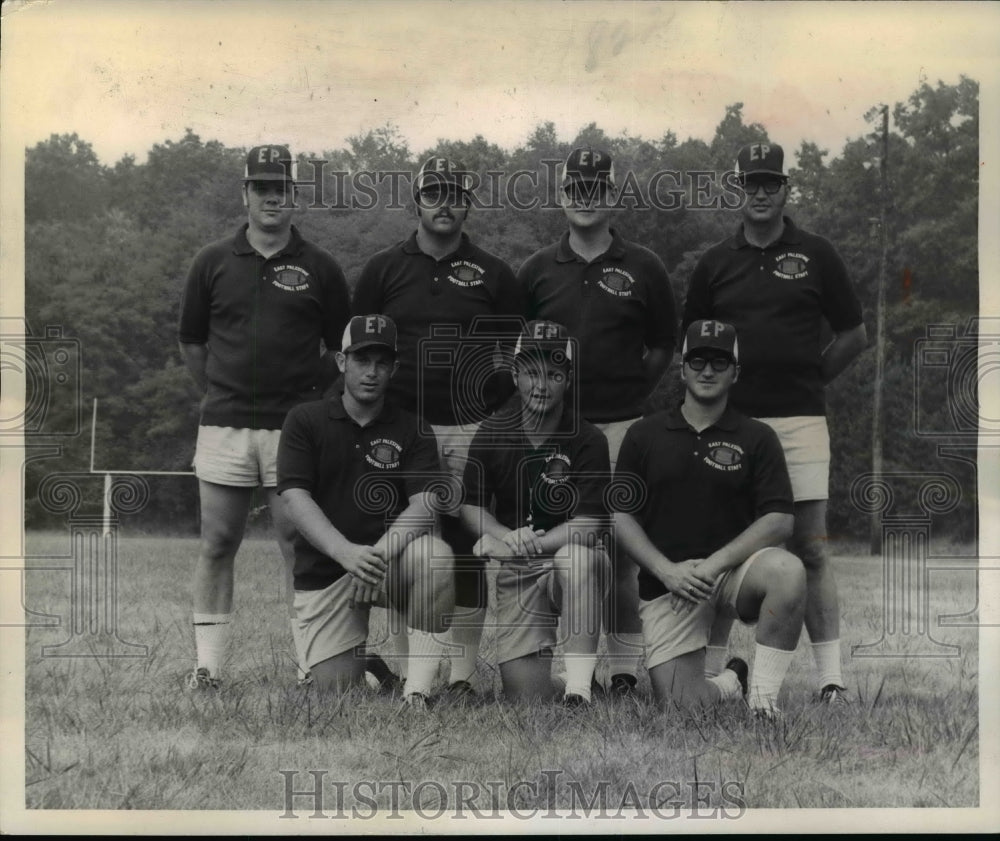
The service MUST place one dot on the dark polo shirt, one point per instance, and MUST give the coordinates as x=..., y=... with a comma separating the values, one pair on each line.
x=702, y=489
x=538, y=486
x=616, y=307
x=449, y=314
x=262, y=320
x=776, y=298
x=360, y=476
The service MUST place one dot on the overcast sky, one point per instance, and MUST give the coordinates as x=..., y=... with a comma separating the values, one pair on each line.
x=127, y=75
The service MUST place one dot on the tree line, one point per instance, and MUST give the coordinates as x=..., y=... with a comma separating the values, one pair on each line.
x=107, y=249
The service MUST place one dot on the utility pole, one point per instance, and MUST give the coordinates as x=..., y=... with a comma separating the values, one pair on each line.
x=875, y=530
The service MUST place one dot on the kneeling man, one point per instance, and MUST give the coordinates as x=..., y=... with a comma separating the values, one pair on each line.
x=357, y=478
x=714, y=503
x=546, y=469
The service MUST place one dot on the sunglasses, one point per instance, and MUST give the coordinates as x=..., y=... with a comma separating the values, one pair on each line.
x=770, y=185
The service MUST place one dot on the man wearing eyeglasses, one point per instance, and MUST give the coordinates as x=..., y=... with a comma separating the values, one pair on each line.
x=712, y=503
x=452, y=303
x=785, y=289
x=614, y=297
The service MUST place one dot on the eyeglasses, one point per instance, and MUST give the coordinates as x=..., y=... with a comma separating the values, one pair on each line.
x=718, y=363
x=770, y=185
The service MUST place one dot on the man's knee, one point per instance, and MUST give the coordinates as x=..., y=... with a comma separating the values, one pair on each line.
x=809, y=540
x=577, y=564
x=220, y=539
x=784, y=574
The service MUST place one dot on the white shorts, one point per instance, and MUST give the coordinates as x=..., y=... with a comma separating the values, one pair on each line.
x=242, y=458
x=668, y=635
x=615, y=431
x=806, y=442
x=327, y=625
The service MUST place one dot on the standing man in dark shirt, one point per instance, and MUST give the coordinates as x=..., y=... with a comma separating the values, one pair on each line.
x=614, y=297
x=778, y=284
x=542, y=473
x=257, y=309
x=705, y=532
x=452, y=302
x=358, y=479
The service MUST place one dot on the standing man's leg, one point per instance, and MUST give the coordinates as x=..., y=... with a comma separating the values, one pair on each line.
x=224, y=511
x=285, y=534
x=822, y=617
x=582, y=578
x=621, y=610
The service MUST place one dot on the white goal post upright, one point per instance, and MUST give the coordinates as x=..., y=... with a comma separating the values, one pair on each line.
x=108, y=474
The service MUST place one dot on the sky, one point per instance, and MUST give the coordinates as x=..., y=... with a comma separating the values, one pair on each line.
x=127, y=75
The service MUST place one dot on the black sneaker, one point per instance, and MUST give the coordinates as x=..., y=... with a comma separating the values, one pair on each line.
x=739, y=665
x=622, y=686
x=572, y=701
x=388, y=681
x=833, y=695
x=200, y=680
x=461, y=690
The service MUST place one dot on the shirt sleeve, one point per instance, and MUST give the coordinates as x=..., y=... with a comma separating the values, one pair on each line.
x=627, y=493
x=698, y=302
x=661, y=313
x=771, y=486
x=297, y=452
x=336, y=303
x=593, y=469
x=196, y=303
x=839, y=301
x=421, y=465
x=369, y=294
x=475, y=480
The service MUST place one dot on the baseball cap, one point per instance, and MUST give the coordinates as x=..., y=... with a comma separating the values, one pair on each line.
x=440, y=172
x=761, y=159
x=270, y=163
x=367, y=331
x=586, y=164
x=711, y=335
x=545, y=337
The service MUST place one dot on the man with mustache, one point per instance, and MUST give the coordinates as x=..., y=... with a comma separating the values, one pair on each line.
x=442, y=292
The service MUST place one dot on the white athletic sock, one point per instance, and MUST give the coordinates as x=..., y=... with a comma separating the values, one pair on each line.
x=827, y=658
x=300, y=653
x=424, y=659
x=464, y=640
x=396, y=643
x=624, y=654
x=579, y=672
x=728, y=683
x=715, y=659
x=211, y=640
x=768, y=673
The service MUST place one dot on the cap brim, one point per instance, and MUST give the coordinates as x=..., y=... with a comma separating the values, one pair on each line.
x=360, y=345
x=692, y=350
x=269, y=177
x=762, y=172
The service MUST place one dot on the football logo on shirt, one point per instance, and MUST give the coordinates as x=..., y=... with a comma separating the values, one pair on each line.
x=465, y=273
x=791, y=266
x=617, y=282
x=384, y=454
x=290, y=278
x=556, y=469
x=724, y=455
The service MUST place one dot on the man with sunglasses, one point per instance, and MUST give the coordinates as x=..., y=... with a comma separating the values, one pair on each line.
x=785, y=289
x=443, y=292
x=712, y=503
x=615, y=299
x=260, y=321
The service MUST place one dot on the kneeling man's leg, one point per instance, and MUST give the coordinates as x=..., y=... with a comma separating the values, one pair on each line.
x=423, y=589
x=676, y=635
x=772, y=593
x=330, y=631
x=581, y=581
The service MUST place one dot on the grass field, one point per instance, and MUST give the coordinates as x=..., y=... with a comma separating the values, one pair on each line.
x=123, y=734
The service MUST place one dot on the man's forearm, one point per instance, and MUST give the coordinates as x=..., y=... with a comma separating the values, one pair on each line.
x=842, y=351
x=586, y=530
x=770, y=530
x=481, y=522
x=195, y=360
x=633, y=539
x=312, y=523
